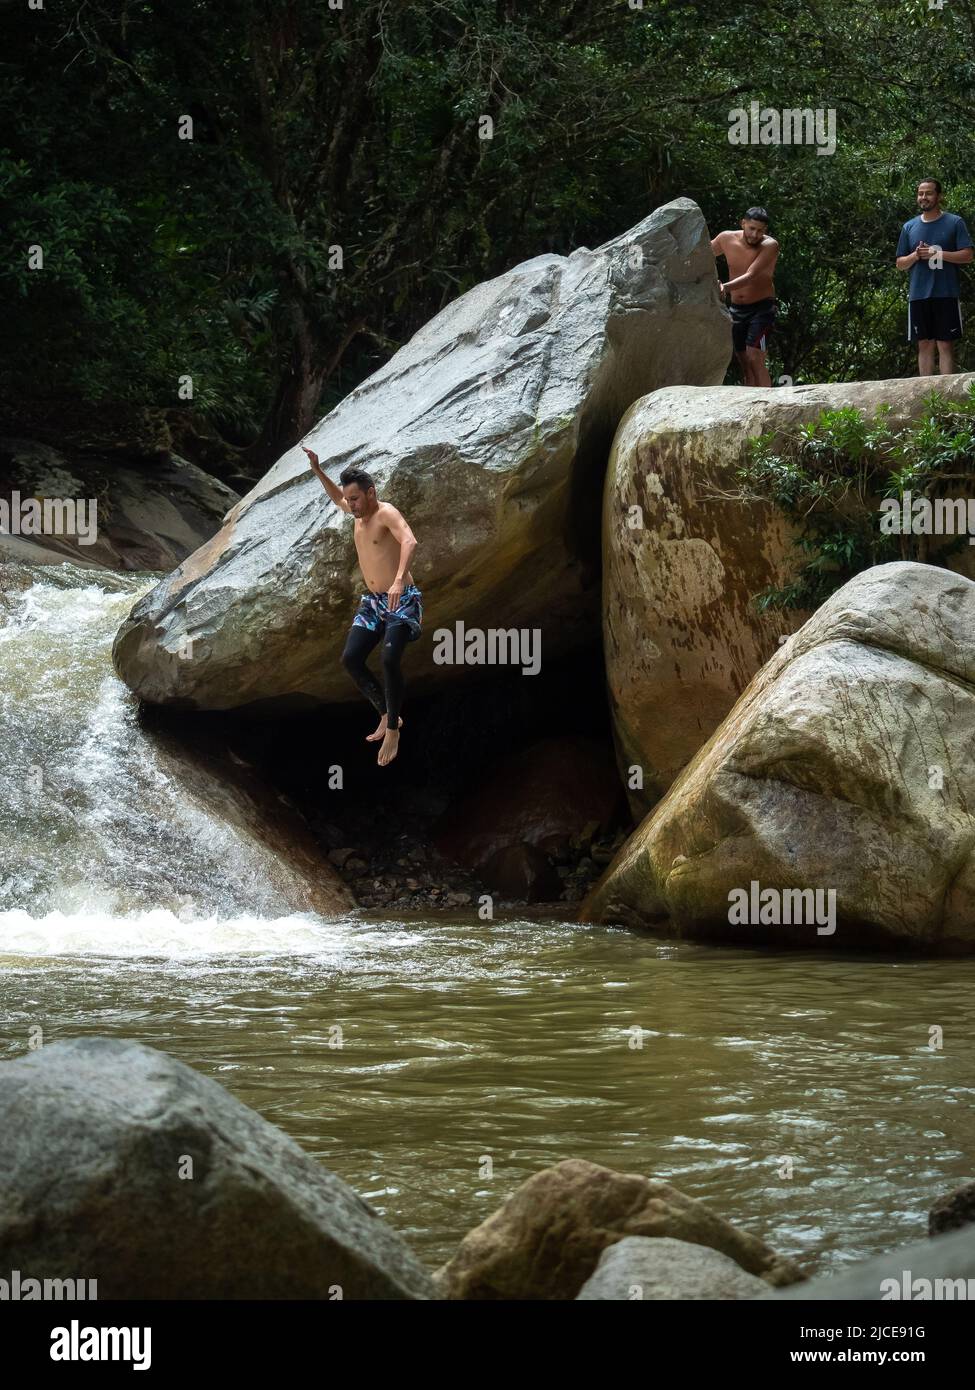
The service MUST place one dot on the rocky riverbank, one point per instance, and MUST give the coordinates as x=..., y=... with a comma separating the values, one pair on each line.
x=401, y=869
x=121, y=1165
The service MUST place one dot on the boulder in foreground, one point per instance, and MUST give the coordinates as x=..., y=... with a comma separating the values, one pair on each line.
x=546, y=1240
x=96, y=1141
x=638, y=1268
x=953, y=1211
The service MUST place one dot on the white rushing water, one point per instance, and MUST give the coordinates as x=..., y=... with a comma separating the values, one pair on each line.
x=102, y=850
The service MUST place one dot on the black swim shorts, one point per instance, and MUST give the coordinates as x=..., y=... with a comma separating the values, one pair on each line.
x=752, y=323
x=933, y=318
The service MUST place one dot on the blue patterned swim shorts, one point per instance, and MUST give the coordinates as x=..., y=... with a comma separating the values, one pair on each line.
x=373, y=611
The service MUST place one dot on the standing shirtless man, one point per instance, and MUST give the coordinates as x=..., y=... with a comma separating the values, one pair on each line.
x=751, y=255
x=393, y=607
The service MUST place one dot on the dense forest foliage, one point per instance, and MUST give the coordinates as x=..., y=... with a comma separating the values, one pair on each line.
x=338, y=187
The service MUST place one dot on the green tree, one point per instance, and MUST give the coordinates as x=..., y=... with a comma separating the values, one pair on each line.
x=360, y=128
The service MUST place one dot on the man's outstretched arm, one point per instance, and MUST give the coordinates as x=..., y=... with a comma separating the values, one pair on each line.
x=334, y=492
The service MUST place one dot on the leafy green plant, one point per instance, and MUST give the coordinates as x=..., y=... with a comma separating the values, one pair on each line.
x=830, y=476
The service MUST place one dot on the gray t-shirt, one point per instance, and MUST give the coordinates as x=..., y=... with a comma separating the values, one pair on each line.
x=947, y=231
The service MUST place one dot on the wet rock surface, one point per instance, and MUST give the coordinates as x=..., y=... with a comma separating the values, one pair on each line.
x=845, y=769
x=490, y=431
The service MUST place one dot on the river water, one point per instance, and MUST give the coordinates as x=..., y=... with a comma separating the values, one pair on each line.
x=435, y=1064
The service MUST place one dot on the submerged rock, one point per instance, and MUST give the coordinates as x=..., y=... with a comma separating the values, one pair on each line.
x=489, y=430
x=844, y=775
x=119, y=1163
x=682, y=637
x=638, y=1268
x=545, y=1242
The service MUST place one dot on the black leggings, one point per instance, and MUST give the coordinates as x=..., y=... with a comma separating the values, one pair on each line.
x=357, y=648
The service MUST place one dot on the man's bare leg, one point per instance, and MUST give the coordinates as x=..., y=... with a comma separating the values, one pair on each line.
x=925, y=357
x=746, y=371
x=397, y=636
x=760, y=376
x=946, y=357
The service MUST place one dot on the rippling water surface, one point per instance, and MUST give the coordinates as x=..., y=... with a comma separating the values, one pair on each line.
x=463, y=1040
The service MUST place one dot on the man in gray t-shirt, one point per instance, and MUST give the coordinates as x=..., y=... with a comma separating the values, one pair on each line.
x=931, y=245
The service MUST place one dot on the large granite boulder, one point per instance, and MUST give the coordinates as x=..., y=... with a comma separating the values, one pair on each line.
x=149, y=512
x=546, y=1240
x=119, y=1163
x=841, y=785
x=681, y=634
x=640, y=1269
x=489, y=430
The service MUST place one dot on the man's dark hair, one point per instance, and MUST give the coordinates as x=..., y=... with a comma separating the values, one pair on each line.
x=757, y=215
x=936, y=182
x=359, y=476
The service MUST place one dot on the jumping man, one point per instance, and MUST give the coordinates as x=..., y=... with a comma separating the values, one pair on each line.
x=751, y=255
x=391, y=611
x=930, y=247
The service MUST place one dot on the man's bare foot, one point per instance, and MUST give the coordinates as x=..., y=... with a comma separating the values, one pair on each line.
x=390, y=747
x=380, y=730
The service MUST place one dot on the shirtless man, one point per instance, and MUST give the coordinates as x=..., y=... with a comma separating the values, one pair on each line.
x=391, y=611
x=751, y=255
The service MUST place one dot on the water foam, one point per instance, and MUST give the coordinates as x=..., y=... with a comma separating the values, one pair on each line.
x=162, y=935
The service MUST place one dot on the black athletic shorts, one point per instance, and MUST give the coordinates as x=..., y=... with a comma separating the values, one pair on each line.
x=752, y=323
x=933, y=318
